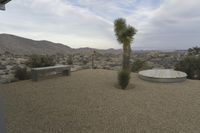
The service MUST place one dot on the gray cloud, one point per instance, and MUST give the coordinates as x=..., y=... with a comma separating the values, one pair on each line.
x=161, y=24
x=174, y=25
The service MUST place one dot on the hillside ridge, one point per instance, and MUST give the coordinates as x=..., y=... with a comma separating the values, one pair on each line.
x=24, y=46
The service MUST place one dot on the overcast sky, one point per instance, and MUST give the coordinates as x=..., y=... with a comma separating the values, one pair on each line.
x=161, y=24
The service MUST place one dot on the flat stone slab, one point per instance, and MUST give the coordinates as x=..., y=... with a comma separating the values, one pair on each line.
x=163, y=75
x=36, y=72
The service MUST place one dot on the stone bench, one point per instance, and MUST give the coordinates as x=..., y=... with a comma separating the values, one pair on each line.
x=37, y=72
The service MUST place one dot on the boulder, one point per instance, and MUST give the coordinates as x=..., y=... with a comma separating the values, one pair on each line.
x=2, y=67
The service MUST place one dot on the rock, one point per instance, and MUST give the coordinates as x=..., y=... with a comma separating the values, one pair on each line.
x=6, y=72
x=14, y=67
x=85, y=67
x=63, y=62
x=3, y=59
x=9, y=67
x=7, y=78
x=2, y=67
x=2, y=72
x=116, y=68
x=3, y=81
x=21, y=61
x=113, y=65
x=76, y=68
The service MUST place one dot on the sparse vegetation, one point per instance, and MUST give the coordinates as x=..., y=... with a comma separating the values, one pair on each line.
x=40, y=61
x=195, y=51
x=191, y=66
x=70, y=60
x=123, y=78
x=93, y=59
x=85, y=61
x=22, y=74
x=139, y=65
x=191, y=63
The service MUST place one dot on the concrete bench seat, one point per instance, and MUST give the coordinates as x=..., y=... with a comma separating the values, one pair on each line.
x=37, y=72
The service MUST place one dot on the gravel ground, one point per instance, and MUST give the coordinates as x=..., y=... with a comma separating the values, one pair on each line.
x=89, y=102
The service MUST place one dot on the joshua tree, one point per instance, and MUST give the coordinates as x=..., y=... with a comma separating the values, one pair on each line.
x=124, y=34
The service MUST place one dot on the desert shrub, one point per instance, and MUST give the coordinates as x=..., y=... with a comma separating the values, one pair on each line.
x=70, y=60
x=190, y=65
x=123, y=78
x=139, y=65
x=40, y=61
x=22, y=74
x=85, y=61
x=195, y=51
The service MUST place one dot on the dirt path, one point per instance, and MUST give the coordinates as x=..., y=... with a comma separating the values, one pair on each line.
x=88, y=102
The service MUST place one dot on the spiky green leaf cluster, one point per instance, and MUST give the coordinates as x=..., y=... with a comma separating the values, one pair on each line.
x=124, y=32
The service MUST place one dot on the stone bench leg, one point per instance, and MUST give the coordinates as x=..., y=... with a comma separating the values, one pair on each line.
x=67, y=72
x=34, y=75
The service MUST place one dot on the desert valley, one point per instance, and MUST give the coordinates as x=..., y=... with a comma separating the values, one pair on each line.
x=88, y=66
x=15, y=52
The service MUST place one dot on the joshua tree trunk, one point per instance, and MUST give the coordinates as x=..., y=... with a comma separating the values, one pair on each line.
x=126, y=57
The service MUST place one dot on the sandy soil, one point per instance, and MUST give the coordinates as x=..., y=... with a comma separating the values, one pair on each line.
x=89, y=102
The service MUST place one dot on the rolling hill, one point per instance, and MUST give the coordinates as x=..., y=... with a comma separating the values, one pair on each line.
x=20, y=46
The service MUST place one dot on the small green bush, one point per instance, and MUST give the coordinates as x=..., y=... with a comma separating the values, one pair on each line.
x=139, y=65
x=195, y=51
x=123, y=78
x=70, y=60
x=190, y=65
x=22, y=74
x=85, y=62
x=40, y=61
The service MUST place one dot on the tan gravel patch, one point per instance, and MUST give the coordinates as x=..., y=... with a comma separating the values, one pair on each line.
x=89, y=102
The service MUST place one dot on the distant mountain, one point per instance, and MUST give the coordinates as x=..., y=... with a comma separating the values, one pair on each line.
x=20, y=46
